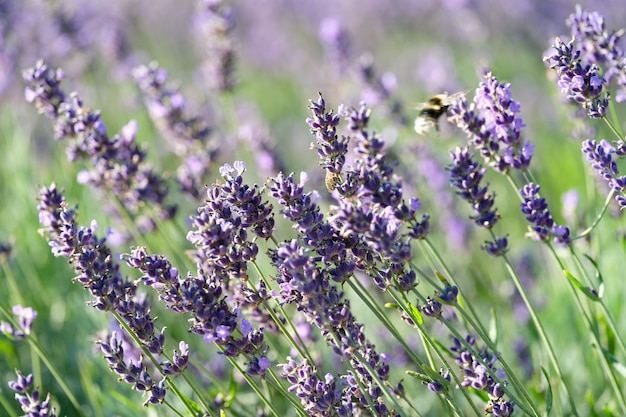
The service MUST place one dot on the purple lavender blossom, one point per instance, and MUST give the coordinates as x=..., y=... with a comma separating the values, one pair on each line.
x=118, y=164
x=439, y=386
x=30, y=398
x=493, y=125
x=536, y=210
x=135, y=373
x=600, y=155
x=99, y=274
x=580, y=82
x=599, y=46
x=476, y=375
x=204, y=300
x=307, y=267
x=25, y=317
x=214, y=22
x=376, y=217
x=330, y=148
x=466, y=176
x=318, y=397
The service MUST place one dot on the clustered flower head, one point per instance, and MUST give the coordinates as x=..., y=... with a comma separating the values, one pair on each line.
x=600, y=155
x=117, y=164
x=319, y=397
x=599, y=46
x=375, y=218
x=535, y=208
x=466, y=177
x=331, y=149
x=30, y=398
x=477, y=375
x=580, y=82
x=493, y=125
x=25, y=318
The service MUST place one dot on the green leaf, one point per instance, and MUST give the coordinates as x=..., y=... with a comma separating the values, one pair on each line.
x=422, y=377
x=548, y=394
x=577, y=284
x=598, y=275
x=416, y=314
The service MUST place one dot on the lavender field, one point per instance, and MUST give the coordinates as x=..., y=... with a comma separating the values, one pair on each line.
x=288, y=208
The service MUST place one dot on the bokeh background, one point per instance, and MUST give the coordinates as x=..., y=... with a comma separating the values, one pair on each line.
x=286, y=51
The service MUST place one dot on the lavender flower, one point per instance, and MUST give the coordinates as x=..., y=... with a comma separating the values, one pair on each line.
x=476, y=375
x=135, y=373
x=330, y=148
x=25, y=317
x=307, y=267
x=204, y=300
x=189, y=137
x=99, y=274
x=214, y=23
x=318, y=397
x=599, y=46
x=118, y=165
x=581, y=82
x=466, y=176
x=440, y=385
x=600, y=155
x=536, y=210
x=493, y=125
x=376, y=217
x=30, y=398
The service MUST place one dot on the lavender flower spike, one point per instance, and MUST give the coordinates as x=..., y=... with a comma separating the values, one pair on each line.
x=599, y=46
x=537, y=213
x=493, y=125
x=580, y=82
x=600, y=155
x=26, y=316
x=30, y=398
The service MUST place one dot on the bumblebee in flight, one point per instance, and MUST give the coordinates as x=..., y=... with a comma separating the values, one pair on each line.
x=432, y=110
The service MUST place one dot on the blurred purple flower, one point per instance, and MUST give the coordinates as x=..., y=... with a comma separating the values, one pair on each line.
x=25, y=317
x=188, y=136
x=117, y=164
